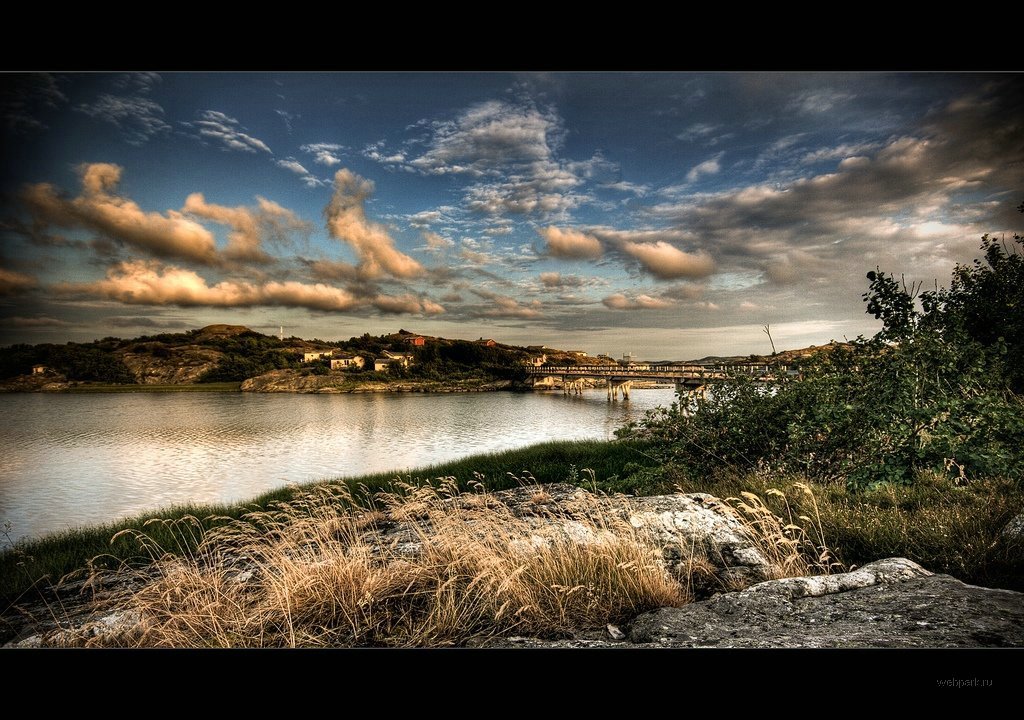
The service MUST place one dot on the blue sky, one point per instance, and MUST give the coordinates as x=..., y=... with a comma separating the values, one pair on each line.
x=671, y=215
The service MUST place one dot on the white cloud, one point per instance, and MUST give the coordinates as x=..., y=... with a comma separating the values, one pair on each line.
x=711, y=166
x=293, y=165
x=227, y=131
x=324, y=153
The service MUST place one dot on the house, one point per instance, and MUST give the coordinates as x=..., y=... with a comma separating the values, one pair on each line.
x=39, y=369
x=317, y=355
x=382, y=363
x=342, y=362
x=416, y=340
x=536, y=360
x=404, y=358
x=486, y=343
x=577, y=353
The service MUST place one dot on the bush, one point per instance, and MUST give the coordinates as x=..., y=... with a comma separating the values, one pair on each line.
x=934, y=390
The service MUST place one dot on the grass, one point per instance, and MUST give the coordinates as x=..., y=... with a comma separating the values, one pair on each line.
x=31, y=565
x=315, y=571
x=115, y=388
x=946, y=527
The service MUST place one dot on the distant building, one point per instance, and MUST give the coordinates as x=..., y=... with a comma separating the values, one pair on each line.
x=342, y=362
x=537, y=348
x=318, y=355
x=416, y=340
x=39, y=369
x=577, y=353
x=487, y=343
x=382, y=363
x=536, y=360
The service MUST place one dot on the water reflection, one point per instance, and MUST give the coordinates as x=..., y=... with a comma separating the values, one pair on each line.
x=77, y=459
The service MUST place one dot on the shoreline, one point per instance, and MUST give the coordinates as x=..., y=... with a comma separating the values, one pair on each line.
x=345, y=388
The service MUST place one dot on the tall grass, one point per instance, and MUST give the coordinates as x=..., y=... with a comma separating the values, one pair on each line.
x=29, y=567
x=309, y=573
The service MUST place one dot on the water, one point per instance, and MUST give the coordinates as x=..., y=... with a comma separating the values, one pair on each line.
x=68, y=460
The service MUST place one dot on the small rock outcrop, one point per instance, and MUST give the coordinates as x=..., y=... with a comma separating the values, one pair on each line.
x=891, y=603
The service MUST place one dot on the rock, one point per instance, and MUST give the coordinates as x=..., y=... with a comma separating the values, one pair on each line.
x=615, y=633
x=890, y=603
x=1014, y=530
x=680, y=525
x=176, y=366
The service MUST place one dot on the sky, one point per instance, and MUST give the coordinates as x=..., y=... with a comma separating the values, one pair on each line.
x=671, y=215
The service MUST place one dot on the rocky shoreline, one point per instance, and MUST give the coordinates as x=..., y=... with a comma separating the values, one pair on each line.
x=890, y=603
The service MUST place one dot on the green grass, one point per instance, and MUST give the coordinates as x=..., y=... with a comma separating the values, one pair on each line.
x=947, y=528
x=198, y=387
x=38, y=563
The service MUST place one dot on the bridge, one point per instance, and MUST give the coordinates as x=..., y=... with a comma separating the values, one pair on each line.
x=620, y=378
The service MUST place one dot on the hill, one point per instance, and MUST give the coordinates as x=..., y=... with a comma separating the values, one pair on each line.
x=234, y=353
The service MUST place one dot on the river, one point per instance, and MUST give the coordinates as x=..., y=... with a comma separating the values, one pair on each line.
x=69, y=460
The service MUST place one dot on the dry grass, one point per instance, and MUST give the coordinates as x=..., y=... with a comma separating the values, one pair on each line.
x=307, y=573
x=784, y=540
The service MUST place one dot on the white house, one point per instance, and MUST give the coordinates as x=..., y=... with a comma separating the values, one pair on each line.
x=318, y=355
x=341, y=362
x=404, y=358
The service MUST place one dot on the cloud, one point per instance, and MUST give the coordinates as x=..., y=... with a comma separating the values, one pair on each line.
x=331, y=270
x=324, y=153
x=898, y=203
x=667, y=262
x=24, y=97
x=406, y=304
x=652, y=249
x=502, y=306
x=34, y=322
x=347, y=221
x=554, y=280
x=143, y=321
x=15, y=283
x=138, y=118
x=488, y=137
x=424, y=218
x=619, y=301
x=147, y=282
x=819, y=100
x=140, y=82
x=252, y=227
x=296, y=167
x=510, y=151
x=287, y=118
x=697, y=131
x=571, y=244
x=710, y=166
x=227, y=131
x=98, y=209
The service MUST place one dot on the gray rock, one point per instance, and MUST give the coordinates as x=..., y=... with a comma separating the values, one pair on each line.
x=615, y=633
x=682, y=526
x=1014, y=530
x=891, y=603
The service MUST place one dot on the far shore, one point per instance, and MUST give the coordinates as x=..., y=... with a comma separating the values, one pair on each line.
x=348, y=387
